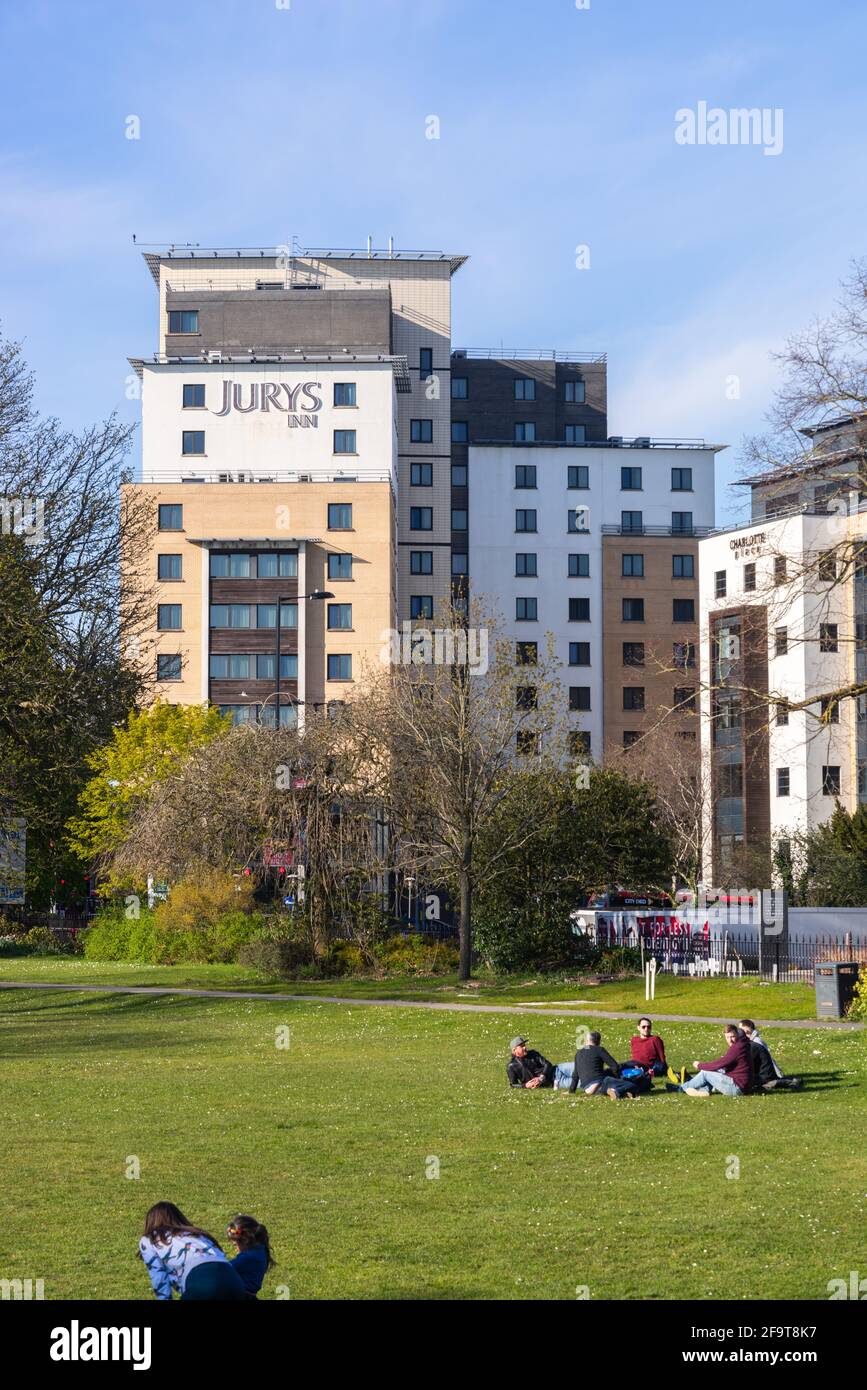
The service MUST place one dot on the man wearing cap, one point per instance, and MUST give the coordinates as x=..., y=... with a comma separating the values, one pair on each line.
x=530, y=1070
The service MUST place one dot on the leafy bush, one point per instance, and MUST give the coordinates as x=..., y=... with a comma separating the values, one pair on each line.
x=858, y=1007
x=620, y=962
x=416, y=955
x=198, y=928
x=276, y=959
x=518, y=940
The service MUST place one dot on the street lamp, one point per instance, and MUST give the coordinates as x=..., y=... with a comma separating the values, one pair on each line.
x=318, y=595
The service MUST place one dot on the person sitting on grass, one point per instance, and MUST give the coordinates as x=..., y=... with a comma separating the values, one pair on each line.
x=254, y=1258
x=530, y=1070
x=182, y=1258
x=597, y=1073
x=767, y=1075
x=729, y=1075
x=648, y=1050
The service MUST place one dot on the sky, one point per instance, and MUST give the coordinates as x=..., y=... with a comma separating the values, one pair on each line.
x=260, y=120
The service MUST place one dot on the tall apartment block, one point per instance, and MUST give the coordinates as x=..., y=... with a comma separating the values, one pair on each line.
x=589, y=537
x=784, y=622
x=293, y=409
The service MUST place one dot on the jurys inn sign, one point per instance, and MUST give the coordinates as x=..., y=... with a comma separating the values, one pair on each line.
x=300, y=403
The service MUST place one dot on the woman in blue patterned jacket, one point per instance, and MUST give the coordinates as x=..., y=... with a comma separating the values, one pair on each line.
x=181, y=1258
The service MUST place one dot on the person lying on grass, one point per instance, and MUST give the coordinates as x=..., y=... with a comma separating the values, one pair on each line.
x=767, y=1076
x=254, y=1258
x=182, y=1258
x=597, y=1073
x=530, y=1070
x=729, y=1075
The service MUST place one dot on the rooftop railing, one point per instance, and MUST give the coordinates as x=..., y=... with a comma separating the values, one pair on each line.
x=529, y=355
x=685, y=531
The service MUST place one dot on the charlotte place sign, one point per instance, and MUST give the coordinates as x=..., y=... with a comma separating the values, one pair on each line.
x=744, y=546
x=300, y=403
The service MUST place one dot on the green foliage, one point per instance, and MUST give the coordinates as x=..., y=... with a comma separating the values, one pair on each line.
x=858, y=1007
x=520, y=938
x=619, y=963
x=416, y=955
x=275, y=959
x=206, y=921
x=147, y=749
x=827, y=866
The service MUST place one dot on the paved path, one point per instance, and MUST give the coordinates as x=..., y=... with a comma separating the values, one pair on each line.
x=425, y=1004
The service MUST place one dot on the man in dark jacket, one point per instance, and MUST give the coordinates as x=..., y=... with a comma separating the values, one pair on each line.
x=530, y=1070
x=597, y=1072
x=729, y=1075
x=766, y=1075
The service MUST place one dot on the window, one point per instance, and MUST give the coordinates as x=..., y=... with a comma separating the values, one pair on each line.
x=525, y=431
x=421, y=562
x=344, y=442
x=421, y=518
x=340, y=516
x=633, y=653
x=525, y=388
x=683, y=610
x=630, y=480
x=171, y=516
x=169, y=567
x=192, y=441
x=526, y=653
x=421, y=606
x=168, y=668
x=683, y=655
x=630, y=737
x=339, y=616
x=425, y=362
x=526, y=698
x=241, y=714
x=459, y=518
x=684, y=698
x=193, y=396
x=632, y=566
x=344, y=393
x=782, y=781
x=183, y=320
x=827, y=637
x=266, y=615
x=749, y=578
x=632, y=521
x=579, y=610
x=235, y=667
x=169, y=617
x=830, y=710
x=579, y=743
x=231, y=615
x=731, y=780
x=827, y=567
x=577, y=519
x=421, y=474
x=274, y=566
x=781, y=641
x=782, y=714
x=579, y=653
x=779, y=569
x=575, y=434
x=527, y=743
x=266, y=664
x=830, y=781
x=339, y=666
x=459, y=475
x=460, y=432
x=633, y=610
x=340, y=567
x=460, y=563
x=683, y=566
x=526, y=610
x=579, y=697
x=578, y=475
x=633, y=697
x=681, y=523
x=579, y=566
x=525, y=565
x=574, y=392
x=719, y=584
x=525, y=520
x=681, y=480
x=460, y=388
x=421, y=431
x=525, y=475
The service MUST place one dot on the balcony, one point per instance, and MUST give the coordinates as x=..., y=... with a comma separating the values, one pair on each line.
x=687, y=532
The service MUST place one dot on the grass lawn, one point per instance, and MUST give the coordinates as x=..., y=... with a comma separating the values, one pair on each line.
x=329, y=1140
x=674, y=995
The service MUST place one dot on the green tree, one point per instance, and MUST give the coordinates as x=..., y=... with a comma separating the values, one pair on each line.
x=827, y=866
x=148, y=748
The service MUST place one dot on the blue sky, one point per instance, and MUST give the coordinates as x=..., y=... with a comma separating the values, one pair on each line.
x=557, y=130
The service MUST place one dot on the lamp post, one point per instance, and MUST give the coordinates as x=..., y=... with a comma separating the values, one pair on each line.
x=318, y=596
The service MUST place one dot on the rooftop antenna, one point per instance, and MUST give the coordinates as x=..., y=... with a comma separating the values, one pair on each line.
x=390, y=247
x=369, y=246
